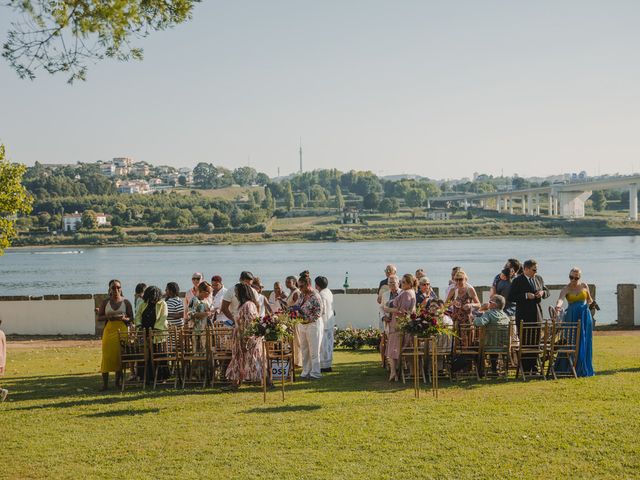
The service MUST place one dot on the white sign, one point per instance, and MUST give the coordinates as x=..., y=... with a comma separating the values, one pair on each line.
x=277, y=369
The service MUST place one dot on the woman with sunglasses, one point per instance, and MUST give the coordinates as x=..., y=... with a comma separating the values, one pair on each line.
x=404, y=303
x=116, y=311
x=579, y=298
x=463, y=299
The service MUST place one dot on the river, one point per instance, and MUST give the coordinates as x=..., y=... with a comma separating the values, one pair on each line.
x=605, y=261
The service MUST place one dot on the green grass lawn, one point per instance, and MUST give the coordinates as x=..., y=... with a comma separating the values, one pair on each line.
x=350, y=424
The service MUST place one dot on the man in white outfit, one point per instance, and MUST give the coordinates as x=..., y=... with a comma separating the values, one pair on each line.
x=218, y=293
x=309, y=308
x=328, y=323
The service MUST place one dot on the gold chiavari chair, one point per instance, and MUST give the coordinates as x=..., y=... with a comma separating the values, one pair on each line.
x=407, y=370
x=133, y=355
x=565, y=339
x=466, y=350
x=194, y=356
x=220, y=351
x=165, y=353
x=531, y=349
x=444, y=350
x=280, y=352
x=495, y=349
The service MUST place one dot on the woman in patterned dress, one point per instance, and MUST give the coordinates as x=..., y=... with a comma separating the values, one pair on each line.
x=246, y=353
x=463, y=299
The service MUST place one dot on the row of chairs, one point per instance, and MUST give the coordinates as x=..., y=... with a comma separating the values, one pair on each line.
x=535, y=350
x=189, y=356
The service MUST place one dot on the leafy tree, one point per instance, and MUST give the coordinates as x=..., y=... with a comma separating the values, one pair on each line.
x=220, y=219
x=205, y=175
x=182, y=181
x=14, y=198
x=414, y=197
x=339, y=198
x=318, y=194
x=371, y=201
x=89, y=220
x=262, y=179
x=268, y=203
x=244, y=176
x=599, y=201
x=44, y=218
x=367, y=184
x=64, y=36
x=300, y=199
x=389, y=205
x=288, y=197
x=518, y=183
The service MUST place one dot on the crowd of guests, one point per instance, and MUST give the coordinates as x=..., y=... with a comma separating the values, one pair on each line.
x=516, y=294
x=212, y=304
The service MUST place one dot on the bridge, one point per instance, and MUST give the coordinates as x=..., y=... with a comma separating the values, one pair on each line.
x=563, y=199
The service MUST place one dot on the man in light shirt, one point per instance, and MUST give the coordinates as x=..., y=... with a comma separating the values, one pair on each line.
x=230, y=301
x=328, y=322
x=217, y=295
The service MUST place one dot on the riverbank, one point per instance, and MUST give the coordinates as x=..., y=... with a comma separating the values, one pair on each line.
x=323, y=228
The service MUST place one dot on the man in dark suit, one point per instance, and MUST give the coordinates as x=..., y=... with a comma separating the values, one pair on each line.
x=527, y=291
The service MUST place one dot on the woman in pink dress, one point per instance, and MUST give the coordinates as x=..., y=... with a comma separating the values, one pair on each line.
x=404, y=303
x=3, y=362
x=246, y=353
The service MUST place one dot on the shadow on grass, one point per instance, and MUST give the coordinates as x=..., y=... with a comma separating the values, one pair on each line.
x=122, y=413
x=284, y=408
x=366, y=376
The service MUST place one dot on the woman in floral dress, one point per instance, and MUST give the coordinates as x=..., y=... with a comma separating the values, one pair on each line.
x=463, y=299
x=246, y=353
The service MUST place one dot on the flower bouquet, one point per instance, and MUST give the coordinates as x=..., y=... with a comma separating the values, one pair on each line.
x=424, y=323
x=274, y=328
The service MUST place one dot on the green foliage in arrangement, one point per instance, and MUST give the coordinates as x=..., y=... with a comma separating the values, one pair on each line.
x=351, y=424
x=356, y=338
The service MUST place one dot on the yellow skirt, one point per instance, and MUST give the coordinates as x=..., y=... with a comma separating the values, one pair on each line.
x=111, y=346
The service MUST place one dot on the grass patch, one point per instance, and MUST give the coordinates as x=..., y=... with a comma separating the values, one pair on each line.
x=350, y=424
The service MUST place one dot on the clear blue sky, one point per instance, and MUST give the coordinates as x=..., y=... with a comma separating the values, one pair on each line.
x=440, y=89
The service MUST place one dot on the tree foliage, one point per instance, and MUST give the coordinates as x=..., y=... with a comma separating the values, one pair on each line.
x=599, y=201
x=14, y=198
x=63, y=36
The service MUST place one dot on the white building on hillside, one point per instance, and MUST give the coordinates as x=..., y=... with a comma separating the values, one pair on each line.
x=71, y=221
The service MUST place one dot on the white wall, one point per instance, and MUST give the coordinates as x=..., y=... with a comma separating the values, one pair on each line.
x=356, y=310
x=48, y=317
x=636, y=306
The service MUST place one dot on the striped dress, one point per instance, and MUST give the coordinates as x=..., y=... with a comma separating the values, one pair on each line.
x=175, y=306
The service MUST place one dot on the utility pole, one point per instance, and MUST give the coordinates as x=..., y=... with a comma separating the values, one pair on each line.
x=300, y=154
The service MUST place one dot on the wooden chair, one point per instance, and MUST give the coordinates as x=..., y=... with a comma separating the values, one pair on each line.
x=495, y=347
x=165, y=353
x=466, y=349
x=279, y=351
x=133, y=353
x=531, y=348
x=406, y=359
x=565, y=339
x=444, y=350
x=193, y=356
x=220, y=352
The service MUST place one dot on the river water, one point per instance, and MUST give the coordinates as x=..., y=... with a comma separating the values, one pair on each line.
x=605, y=261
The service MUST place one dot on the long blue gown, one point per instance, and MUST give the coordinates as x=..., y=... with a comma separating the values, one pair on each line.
x=578, y=309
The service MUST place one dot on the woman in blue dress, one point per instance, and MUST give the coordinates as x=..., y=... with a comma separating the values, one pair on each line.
x=579, y=298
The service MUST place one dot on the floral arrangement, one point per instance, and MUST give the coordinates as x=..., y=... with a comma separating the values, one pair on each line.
x=424, y=322
x=274, y=328
x=356, y=338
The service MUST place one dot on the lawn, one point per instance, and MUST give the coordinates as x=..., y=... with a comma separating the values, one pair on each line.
x=350, y=424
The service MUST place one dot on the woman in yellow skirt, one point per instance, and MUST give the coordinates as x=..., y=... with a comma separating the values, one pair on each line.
x=116, y=311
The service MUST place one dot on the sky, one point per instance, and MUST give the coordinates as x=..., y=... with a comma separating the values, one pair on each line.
x=438, y=89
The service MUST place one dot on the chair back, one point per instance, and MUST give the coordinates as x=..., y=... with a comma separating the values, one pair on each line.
x=133, y=345
x=565, y=337
x=468, y=340
x=530, y=337
x=193, y=344
x=165, y=345
x=220, y=341
x=496, y=338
